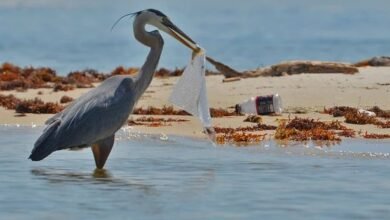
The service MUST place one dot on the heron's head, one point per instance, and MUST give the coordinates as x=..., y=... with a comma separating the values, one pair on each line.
x=162, y=22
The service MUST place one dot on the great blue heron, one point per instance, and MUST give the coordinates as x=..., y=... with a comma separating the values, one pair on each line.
x=93, y=118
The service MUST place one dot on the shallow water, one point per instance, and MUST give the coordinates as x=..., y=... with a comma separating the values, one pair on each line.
x=149, y=177
x=71, y=35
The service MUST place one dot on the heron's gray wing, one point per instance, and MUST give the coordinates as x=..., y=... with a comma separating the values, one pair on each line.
x=98, y=115
x=43, y=146
x=59, y=114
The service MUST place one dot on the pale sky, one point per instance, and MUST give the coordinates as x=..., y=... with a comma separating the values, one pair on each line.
x=42, y=3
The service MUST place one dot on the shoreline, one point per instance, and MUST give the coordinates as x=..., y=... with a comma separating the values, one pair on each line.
x=303, y=96
x=136, y=132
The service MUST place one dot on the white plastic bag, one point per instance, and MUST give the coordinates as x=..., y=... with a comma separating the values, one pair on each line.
x=190, y=92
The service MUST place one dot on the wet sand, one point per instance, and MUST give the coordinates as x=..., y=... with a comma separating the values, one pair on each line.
x=303, y=95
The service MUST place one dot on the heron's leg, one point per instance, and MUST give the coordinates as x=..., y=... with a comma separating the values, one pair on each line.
x=101, y=150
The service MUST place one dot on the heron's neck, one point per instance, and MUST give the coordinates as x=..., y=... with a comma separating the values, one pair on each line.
x=145, y=75
x=155, y=42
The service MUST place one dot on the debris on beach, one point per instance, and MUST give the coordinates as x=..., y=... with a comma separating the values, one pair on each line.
x=308, y=124
x=368, y=113
x=362, y=119
x=153, y=119
x=170, y=110
x=241, y=135
x=132, y=122
x=339, y=111
x=162, y=72
x=298, y=67
x=13, y=77
x=83, y=79
x=374, y=61
x=9, y=101
x=150, y=124
x=165, y=110
x=302, y=129
x=385, y=124
x=380, y=113
x=376, y=136
x=258, y=127
x=120, y=70
x=261, y=105
x=286, y=68
x=233, y=79
x=219, y=112
x=66, y=99
x=36, y=106
x=353, y=116
x=62, y=87
x=239, y=138
x=253, y=119
x=227, y=71
x=154, y=122
x=349, y=133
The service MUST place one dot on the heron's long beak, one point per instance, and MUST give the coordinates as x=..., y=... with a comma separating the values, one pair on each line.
x=181, y=36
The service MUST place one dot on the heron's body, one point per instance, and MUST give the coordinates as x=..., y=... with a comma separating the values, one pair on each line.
x=93, y=118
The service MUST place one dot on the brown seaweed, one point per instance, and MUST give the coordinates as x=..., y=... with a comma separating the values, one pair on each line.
x=120, y=70
x=9, y=101
x=165, y=120
x=169, y=110
x=359, y=118
x=154, y=122
x=300, y=129
x=353, y=116
x=239, y=138
x=376, y=136
x=347, y=133
x=379, y=112
x=36, y=105
x=13, y=77
x=65, y=99
x=258, y=127
x=339, y=111
x=219, y=112
x=253, y=119
x=165, y=110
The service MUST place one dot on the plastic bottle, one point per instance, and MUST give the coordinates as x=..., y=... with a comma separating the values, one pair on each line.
x=368, y=113
x=261, y=105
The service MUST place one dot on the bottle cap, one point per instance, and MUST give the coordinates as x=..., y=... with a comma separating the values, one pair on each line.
x=238, y=109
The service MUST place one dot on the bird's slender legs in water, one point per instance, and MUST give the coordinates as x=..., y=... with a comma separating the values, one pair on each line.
x=101, y=150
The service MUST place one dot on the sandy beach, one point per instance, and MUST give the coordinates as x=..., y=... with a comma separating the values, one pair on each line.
x=303, y=95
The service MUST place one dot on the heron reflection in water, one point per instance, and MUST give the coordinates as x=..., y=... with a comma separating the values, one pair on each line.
x=93, y=118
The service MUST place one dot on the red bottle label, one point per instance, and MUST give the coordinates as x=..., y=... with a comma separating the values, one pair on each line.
x=265, y=105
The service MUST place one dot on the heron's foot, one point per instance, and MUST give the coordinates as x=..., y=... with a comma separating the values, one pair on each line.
x=101, y=173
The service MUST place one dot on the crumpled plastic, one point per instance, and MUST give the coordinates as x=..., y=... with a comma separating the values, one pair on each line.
x=190, y=92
